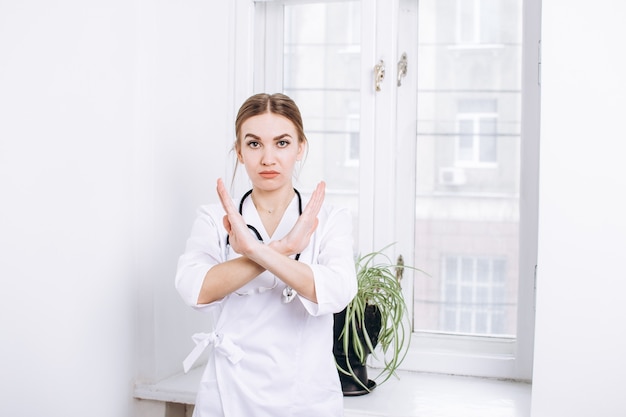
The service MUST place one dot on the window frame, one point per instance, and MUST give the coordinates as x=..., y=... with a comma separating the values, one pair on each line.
x=486, y=356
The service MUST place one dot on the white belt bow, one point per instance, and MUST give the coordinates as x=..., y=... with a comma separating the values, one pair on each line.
x=221, y=344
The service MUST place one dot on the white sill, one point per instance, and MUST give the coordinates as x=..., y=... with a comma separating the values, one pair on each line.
x=413, y=394
x=430, y=395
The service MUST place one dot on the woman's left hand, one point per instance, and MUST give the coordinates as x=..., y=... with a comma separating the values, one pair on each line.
x=299, y=236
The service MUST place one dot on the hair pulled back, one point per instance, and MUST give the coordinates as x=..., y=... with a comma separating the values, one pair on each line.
x=277, y=103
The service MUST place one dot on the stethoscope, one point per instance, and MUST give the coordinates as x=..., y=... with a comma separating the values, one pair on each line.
x=288, y=293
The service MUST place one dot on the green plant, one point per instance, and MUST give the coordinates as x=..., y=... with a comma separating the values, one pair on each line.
x=378, y=286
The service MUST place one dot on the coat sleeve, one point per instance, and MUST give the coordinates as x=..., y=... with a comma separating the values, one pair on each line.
x=334, y=272
x=202, y=252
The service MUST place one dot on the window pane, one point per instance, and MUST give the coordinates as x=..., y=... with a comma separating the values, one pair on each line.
x=466, y=141
x=321, y=55
x=490, y=20
x=467, y=169
x=465, y=11
x=488, y=143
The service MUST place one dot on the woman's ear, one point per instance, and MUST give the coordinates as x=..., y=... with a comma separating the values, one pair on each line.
x=301, y=148
x=238, y=153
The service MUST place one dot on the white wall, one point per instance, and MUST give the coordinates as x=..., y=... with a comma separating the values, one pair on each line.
x=114, y=123
x=580, y=350
x=184, y=121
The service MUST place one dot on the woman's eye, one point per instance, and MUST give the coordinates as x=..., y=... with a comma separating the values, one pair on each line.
x=282, y=143
x=253, y=144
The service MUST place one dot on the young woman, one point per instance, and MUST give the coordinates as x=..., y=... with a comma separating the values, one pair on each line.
x=272, y=271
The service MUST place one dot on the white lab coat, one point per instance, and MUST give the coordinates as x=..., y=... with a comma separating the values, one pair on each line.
x=270, y=358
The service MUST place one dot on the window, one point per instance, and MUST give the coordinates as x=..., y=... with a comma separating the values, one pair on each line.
x=469, y=177
x=477, y=136
x=473, y=293
x=434, y=164
x=321, y=54
x=478, y=21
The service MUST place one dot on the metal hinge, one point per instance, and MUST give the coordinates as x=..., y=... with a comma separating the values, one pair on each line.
x=535, y=290
x=539, y=63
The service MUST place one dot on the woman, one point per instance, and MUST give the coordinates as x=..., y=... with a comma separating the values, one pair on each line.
x=272, y=274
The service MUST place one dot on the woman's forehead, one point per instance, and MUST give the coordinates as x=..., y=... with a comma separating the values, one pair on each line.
x=267, y=126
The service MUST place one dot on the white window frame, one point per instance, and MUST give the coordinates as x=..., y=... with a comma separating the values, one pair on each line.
x=498, y=357
x=469, y=355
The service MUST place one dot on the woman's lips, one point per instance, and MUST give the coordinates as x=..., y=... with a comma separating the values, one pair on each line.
x=269, y=174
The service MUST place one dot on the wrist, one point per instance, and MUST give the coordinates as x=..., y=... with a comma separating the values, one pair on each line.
x=280, y=247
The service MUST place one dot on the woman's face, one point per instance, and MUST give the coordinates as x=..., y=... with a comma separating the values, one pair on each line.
x=269, y=148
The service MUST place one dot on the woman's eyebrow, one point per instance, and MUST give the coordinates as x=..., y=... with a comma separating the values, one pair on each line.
x=279, y=137
x=284, y=135
x=252, y=135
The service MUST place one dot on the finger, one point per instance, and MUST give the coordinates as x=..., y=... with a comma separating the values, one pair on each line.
x=236, y=224
x=320, y=193
x=227, y=225
x=317, y=199
x=320, y=190
x=227, y=202
x=314, y=226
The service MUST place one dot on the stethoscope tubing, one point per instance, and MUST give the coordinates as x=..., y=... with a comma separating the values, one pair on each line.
x=254, y=229
x=288, y=293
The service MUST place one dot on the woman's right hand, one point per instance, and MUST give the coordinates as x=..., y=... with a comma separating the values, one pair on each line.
x=240, y=238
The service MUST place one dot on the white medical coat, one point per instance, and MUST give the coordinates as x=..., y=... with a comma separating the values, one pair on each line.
x=270, y=359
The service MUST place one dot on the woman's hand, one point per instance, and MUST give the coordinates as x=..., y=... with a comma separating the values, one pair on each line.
x=299, y=236
x=240, y=238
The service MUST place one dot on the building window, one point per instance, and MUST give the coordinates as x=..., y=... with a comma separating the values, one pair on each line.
x=474, y=295
x=477, y=135
x=477, y=21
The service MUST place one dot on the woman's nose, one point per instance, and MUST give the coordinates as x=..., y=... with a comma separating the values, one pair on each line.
x=268, y=157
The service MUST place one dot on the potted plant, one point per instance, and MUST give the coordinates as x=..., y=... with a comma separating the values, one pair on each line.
x=376, y=316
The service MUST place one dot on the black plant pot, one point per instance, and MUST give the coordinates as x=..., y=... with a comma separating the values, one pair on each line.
x=354, y=385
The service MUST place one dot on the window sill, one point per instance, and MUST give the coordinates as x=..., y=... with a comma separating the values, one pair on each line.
x=413, y=394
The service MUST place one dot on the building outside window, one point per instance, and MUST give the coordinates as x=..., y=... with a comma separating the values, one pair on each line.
x=477, y=138
x=472, y=292
x=468, y=166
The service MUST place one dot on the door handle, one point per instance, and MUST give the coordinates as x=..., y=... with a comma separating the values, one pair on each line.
x=402, y=67
x=379, y=74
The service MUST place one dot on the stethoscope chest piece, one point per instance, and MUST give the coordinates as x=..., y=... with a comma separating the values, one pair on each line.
x=289, y=294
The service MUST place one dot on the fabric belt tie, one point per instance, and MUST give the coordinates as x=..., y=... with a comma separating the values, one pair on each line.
x=221, y=344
